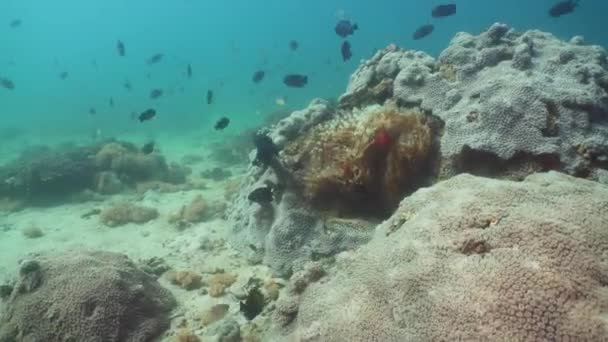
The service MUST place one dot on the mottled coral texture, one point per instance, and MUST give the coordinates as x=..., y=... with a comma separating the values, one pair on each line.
x=470, y=259
x=85, y=296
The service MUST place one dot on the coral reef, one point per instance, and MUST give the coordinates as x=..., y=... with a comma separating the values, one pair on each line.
x=525, y=101
x=84, y=296
x=44, y=175
x=122, y=213
x=470, y=259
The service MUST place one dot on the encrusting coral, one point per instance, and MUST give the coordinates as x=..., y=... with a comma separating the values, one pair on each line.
x=365, y=159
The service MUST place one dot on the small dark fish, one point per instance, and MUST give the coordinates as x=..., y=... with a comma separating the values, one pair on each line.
x=258, y=76
x=92, y=111
x=295, y=80
x=423, y=31
x=344, y=28
x=147, y=115
x=156, y=93
x=189, y=71
x=345, y=50
x=261, y=195
x=127, y=85
x=63, y=75
x=148, y=148
x=253, y=304
x=209, y=96
x=222, y=123
x=111, y=102
x=563, y=8
x=155, y=59
x=120, y=47
x=266, y=150
x=441, y=11
x=15, y=23
x=293, y=45
x=6, y=83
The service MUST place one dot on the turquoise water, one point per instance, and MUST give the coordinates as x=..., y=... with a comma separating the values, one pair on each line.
x=225, y=43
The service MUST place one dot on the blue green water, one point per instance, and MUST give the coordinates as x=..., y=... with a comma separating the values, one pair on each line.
x=225, y=42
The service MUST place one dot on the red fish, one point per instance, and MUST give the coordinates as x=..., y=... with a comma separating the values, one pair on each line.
x=383, y=139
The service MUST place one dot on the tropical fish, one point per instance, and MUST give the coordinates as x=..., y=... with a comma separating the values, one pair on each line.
x=345, y=50
x=63, y=75
x=295, y=80
x=423, y=31
x=344, y=28
x=293, y=45
x=280, y=101
x=155, y=58
x=222, y=123
x=443, y=10
x=563, y=8
x=6, y=83
x=15, y=23
x=258, y=76
x=120, y=47
x=262, y=195
x=209, y=96
x=266, y=149
x=92, y=111
x=147, y=115
x=127, y=85
x=148, y=148
x=189, y=71
x=156, y=93
x=111, y=102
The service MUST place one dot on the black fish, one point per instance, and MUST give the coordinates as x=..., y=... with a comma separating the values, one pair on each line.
x=15, y=23
x=120, y=47
x=423, y=31
x=344, y=28
x=148, y=148
x=63, y=75
x=92, y=111
x=253, y=304
x=258, y=76
x=209, y=96
x=111, y=102
x=156, y=93
x=295, y=80
x=155, y=58
x=189, y=71
x=443, y=10
x=6, y=83
x=266, y=149
x=127, y=85
x=222, y=123
x=293, y=45
x=147, y=115
x=345, y=50
x=261, y=195
x=563, y=8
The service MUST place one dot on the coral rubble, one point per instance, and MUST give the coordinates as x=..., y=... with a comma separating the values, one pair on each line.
x=122, y=213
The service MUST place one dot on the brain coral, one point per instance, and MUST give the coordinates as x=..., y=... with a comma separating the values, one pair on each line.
x=471, y=259
x=85, y=296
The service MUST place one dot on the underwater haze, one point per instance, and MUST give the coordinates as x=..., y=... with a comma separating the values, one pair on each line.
x=320, y=170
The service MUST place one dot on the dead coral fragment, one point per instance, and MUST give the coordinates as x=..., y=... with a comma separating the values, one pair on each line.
x=364, y=160
x=123, y=213
x=219, y=283
x=185, y=279
x=185, y=335
x=32, y=232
